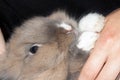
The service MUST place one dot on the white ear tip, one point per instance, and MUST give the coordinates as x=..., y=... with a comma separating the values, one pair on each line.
x=65, y=26
x=92, y=22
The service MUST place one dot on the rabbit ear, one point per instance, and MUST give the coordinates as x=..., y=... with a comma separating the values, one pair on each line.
x=2, y=56
x=2, y=46
x=66, y=27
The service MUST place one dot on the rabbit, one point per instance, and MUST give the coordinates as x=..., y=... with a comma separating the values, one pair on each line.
x=50, y=48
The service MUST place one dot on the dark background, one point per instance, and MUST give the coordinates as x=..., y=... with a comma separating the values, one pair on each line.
x=14, y=12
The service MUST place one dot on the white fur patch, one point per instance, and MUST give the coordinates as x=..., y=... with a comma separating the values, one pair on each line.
x=87, y=40
x=65, y=26
x=90, y=26
x=92, y=22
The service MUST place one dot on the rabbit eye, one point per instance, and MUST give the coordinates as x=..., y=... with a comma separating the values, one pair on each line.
x=34, y=48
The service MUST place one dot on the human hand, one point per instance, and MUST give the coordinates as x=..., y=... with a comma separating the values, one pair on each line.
x=104, y=61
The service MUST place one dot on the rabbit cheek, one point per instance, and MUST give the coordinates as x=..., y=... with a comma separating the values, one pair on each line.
x=47, y=58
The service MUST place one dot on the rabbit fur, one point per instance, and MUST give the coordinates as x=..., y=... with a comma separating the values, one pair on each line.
x=50, y=48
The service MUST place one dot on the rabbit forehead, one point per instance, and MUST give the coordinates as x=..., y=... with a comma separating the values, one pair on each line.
x=36, y=30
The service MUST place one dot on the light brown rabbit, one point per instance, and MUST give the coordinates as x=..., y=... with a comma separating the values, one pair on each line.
x=44, y=48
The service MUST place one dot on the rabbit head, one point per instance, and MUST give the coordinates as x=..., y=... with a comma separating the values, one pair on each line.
x=38, y=49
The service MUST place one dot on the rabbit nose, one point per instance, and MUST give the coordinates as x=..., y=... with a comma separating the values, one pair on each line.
x=68, y=28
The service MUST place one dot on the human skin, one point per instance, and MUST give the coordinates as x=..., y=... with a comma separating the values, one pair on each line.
x=104, y=60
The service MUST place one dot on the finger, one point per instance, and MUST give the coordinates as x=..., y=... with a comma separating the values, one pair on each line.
x=110, y=70
x=113, y=13
x=2, y=43
x=93, y=66
x=95, y=62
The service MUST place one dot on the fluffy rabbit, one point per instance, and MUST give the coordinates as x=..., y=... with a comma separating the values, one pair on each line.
x=50, y=48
